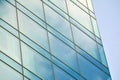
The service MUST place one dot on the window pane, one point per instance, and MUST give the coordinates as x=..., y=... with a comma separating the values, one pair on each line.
x=7, y=73
x=36, y=63
x=102, y=55
x=34, y=6
x=33, y=30
x=63, y=52
x=8, y=13
x=30, y=75
x=89, y=71
x=79, y=15
x=95, y=27
x=10, y=62
x=86, y=43
x=59, y=3
x=60, y=75
x=9, y=45
x=59, y=23
x=83, y=2
x=90, y=5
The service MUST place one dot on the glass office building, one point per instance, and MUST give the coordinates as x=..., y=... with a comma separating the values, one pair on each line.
x=50, y=40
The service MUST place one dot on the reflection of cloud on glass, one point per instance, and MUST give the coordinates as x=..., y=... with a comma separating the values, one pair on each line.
x=33, y=30
x=5, y=69
x=36, y=6
x=58, y=22
x=85, y=43
x=63, y=52
x=8, y=13
x=79, y=15
x=9, y=45
x=36, y=63
x=61, y=4
x=90, y=71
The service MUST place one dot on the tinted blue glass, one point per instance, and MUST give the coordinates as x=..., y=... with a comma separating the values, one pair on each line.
x=36, y=63
x=9, y=45
x=30, y=75
x=67, y=69
x=63, y=52
x=86, y=43
x=58, y=3
x=35, y=46
x=89, y=71
x=79, y=15
x=90, y=5
x=8, y=13
x=60, y=74
x=59, y=23
x=95, y=27
x=34, y=6
x=102, y=55
x=9, y=27
x=5, y=69
x=10, y=62
x=33, y=30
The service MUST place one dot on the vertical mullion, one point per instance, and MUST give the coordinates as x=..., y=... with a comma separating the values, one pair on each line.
x=96, y=40
x=73, y=38
x=48, y=40
x=19, y=39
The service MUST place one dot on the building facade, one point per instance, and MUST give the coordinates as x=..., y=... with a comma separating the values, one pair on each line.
x=50, y=40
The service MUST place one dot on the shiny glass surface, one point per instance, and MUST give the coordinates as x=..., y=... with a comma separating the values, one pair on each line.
x=9, y=45
x=79, y=15
x=89, y=71
x=13, y=75
x=59, y=23
x=36, y=63
x=35, y=6
x=59, y=74
x=50, y=40
x=8, y=13
x=86, y=43
x=33, y=30
x=63, y=52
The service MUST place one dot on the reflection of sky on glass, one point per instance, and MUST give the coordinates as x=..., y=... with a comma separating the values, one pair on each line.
x=108, y=16
x=4, y=69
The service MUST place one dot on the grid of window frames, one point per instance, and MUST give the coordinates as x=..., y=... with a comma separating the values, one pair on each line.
x=50, y=40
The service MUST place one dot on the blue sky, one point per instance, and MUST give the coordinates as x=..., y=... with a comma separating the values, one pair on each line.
x=108, y=17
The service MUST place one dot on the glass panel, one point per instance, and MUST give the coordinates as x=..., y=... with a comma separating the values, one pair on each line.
x=7, y=73
x=59, y=23
x=89, y=71
x=8, y=13
x=9, y=45
x=90, y=5
x=95, y=27
x=33, y=30
x=37, y=63
x=76, y=2
x=30, y=75
x=35, y=46
x=63, y=52
x=59, y=3
x=10, y=62
x=79, y=15
x=60, y=74
x=83, y=2
x=34, y=6
x=10, y=28
x=102, y=55
x=25, y=78
x=85, y=43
